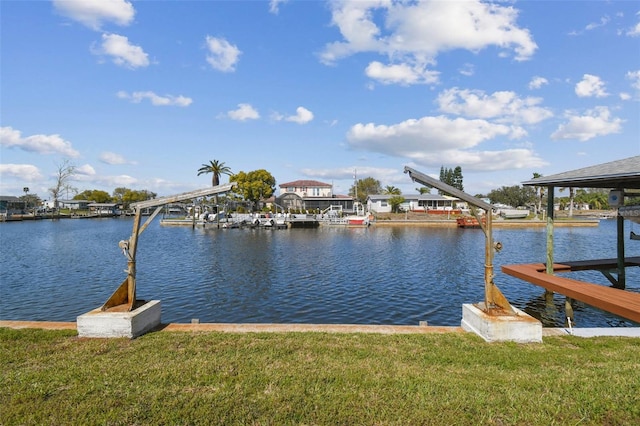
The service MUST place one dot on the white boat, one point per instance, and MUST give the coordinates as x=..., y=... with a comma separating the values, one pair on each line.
x=360, y=218
x=514, y=213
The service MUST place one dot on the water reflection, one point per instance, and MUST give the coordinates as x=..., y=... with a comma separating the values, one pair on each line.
x=375, y=275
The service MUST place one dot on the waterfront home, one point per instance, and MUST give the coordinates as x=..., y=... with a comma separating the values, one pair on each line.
x=104, y=209
x=74, y=204
x=11, y=205
x=423, y=203
x=312, y=195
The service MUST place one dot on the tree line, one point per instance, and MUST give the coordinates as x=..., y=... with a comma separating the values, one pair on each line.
x=258, y=185
x=515, y=196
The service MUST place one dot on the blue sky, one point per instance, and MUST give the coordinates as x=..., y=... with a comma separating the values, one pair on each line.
x=141, y=93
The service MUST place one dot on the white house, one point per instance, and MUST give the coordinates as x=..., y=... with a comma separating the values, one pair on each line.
x=306, y=188
x=74, y=204
x=424, y=203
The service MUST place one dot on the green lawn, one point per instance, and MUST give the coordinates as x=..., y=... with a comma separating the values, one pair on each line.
x=53, y=377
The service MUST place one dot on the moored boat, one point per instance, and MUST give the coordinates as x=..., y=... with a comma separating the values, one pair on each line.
x=358, y=221
x=468, y=222
x=514, y=213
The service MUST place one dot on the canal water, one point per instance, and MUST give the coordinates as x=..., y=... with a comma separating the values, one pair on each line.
x=57, y=270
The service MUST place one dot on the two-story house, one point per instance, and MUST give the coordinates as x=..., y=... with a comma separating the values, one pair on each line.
x=311, y=195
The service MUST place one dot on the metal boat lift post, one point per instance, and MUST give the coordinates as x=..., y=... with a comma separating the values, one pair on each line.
x=494, y=300
x=124, y=298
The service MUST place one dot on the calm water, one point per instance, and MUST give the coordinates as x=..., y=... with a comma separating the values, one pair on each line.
x=57, y=270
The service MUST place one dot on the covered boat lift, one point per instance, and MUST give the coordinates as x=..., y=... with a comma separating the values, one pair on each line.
x=621, y=177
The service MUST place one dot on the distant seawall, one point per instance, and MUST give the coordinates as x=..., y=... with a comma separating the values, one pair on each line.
x=497, y=223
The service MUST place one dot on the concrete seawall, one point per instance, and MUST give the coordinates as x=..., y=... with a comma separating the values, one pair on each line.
x=497, y=223
x=327, y=328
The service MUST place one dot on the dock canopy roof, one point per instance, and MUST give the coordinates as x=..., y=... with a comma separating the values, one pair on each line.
x=620, y=174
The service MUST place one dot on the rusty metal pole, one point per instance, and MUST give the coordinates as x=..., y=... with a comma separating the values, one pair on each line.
x=494, y=300
x=489, y=301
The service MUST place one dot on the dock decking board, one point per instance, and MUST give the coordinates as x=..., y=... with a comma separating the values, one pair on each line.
x=623, y=303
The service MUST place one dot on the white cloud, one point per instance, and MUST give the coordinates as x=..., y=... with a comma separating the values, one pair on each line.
x=537, y=82
x=635, y=30
x=41, y=144
x=433, y=141
x=503, y=106
x=157, y=100
x=634, y=77
x=414, y=33
x=624, y=96
x=595, y=122
x=591, y=86
x=94, y=13
x=244, y=112
x=509, y=159
x=113, y=159
x=222, y=55
x=603, y=21
x=122, y=53
x=403, y=74
x=467, y=70
x=274, y=6
x=24, y=172
x=412, y=137
x=85, y=170
x=302, y=116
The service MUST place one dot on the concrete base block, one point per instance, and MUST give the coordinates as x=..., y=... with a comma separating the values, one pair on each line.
x=137, y=322
x=521, y=328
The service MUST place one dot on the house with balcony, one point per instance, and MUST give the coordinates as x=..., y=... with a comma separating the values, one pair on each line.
x=312, y=195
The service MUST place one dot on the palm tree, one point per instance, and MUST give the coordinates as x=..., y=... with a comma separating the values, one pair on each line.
x=572, y=194
x=217, y=168
x=392, y=190
x=540, y=193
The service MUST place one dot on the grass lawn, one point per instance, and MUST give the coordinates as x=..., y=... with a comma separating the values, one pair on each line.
x=56, y=378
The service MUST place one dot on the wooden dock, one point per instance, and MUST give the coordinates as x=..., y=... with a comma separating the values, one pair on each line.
x=623, y=303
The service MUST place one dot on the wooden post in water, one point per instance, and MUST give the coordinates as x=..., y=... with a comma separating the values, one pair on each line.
x=548, y=295
x=621, y=283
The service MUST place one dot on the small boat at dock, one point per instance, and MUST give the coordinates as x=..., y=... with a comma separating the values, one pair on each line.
x=468, y=222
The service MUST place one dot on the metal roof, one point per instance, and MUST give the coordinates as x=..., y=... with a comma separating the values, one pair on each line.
x=620, y=174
